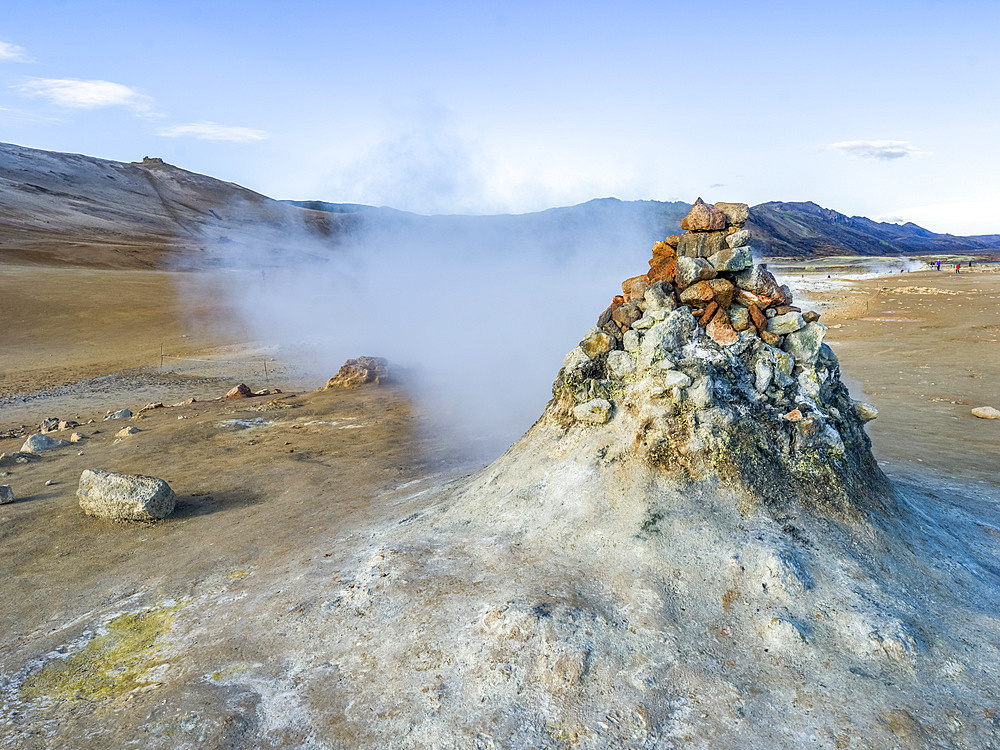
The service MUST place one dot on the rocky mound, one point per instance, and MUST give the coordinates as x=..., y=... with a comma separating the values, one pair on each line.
x=704, y=367
x=361, y=371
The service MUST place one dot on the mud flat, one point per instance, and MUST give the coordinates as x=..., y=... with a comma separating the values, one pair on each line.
x=327, y=582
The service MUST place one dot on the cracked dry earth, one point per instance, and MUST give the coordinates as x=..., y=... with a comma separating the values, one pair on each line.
x=329, y=580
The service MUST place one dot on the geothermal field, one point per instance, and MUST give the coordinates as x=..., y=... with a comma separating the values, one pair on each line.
x=661, y=493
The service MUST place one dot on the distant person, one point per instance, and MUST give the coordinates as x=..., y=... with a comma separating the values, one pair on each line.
x=958, y=268
x=939, y=265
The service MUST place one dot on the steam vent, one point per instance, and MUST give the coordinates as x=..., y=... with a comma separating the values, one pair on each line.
x=709, y=369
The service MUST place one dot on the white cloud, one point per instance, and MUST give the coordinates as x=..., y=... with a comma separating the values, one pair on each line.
x=12, y=53
x=875, y=150
x=213, y=131
x=76, y=94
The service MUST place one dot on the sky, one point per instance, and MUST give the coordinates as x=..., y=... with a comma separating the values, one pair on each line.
x=882, y=109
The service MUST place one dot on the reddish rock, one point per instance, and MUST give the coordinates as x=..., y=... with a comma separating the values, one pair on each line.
x=720, y=330
x=635, y=287
x=750, y=299
x=793, y=416
x=709, y=312
x=664, y=250
x=782, y=309
x=240, y=391
x=703, y=218
x=672, y=240
x=758, y=318
x=771, y=339
x=625, y=315
x=618, y=299
x=663, y=271
x=723, y=291
x=701, y=291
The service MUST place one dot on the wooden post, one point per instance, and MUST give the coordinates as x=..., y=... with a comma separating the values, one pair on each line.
x=265, y=371
x=161, y=356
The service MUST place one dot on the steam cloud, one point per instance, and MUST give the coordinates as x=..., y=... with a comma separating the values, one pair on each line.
x=480, y=310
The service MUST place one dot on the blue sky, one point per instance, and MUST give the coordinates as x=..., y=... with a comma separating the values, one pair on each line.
x=883, y=109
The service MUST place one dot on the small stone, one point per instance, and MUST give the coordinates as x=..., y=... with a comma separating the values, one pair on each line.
x=120, y=414
x=986, y=412
x=625, y=315
x=76, y=437
x=126, y=431
x=787, y=323
x=597, y=411
x=810, y=316
x=620, y=364
x=672, y=241
x=644, y=323
x=658, y=298
x=771, y=339
x=738, y=239
x=759, y=319
x=701, y=244
x=675, y=379
x=782, y=309
x=736, y=213
x=703, y=218
x=575, y=360
x=49, y=425
x=739, y=317
x=804, y=344
x=793, y=416
x=49, y=483
x=720, y=330
x=692, y=270
x=731, y=261
x=866, y=412
x=240, y=391
x=786, y=293
x=155, y=405
x=597, y=343
x=697, y=292
x=124, y=497
x=6, y=494
x=68, y=424
x=631, y=341
x=40, y=442
x=634, y=287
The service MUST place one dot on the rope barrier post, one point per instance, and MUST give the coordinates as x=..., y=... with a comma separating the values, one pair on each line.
x=265, y=370
x=161, y=356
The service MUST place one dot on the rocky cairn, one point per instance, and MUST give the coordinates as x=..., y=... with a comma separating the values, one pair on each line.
x=705, y=368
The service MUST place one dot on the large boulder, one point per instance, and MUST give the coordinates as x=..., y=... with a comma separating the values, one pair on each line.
x=701, y=244
x=703, y=218
x=40, y=442
x=357, y=372
x=124, y=497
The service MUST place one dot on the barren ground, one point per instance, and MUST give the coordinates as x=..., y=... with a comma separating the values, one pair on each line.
x=267, y=482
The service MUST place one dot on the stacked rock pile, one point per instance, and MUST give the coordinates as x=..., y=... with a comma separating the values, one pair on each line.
x=708, y=365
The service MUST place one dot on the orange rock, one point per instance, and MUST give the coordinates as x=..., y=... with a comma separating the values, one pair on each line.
x=722, y=291
x=672, y=240
x=810, y=317
x=771, y=339
x=793, y=416
x=663, y=271
x=662, y=251
x=702, y=292
x=709, y=312
x=721, y=330
x=618, y=300
x=703, y=218
x=758, y=318
x=240, y=391
x=635, y=287
x=749, y=299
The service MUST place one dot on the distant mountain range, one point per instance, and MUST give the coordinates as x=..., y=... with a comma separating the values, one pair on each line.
x=69, y=209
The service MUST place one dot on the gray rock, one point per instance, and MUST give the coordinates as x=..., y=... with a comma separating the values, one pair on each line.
x=631, y=341
x=597, y=411
x=49, y=425
x=6, y=494
x=572, y=362
x=804, y=344
x=700, y=244
x=41, y=442
x=702, y=395
x=866, y=412
x=675, y=379
x=731, y=261
x=10, y=459
x=736, y=213
x=68, y=424
x=789, y=323
x=620, y=364
x=124, y=497
x=676, y=330
x=126, y=431
x=644, y=323
x=657, y=299
x=597, y=342
x=739, y=317
x=739, y=239
x=759, y=281
x=120, y=414
x=692, y=270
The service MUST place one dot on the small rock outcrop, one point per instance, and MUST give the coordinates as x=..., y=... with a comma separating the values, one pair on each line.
x=6, y=494
x=361, y=371
x=120, y=414
x=986, y=412
x=705, y=368
x=124, y=497
x=41, y=442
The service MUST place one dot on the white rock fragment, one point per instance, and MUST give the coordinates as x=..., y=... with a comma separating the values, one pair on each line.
x=986, y=412
x=40, y=442
x=596, y=411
